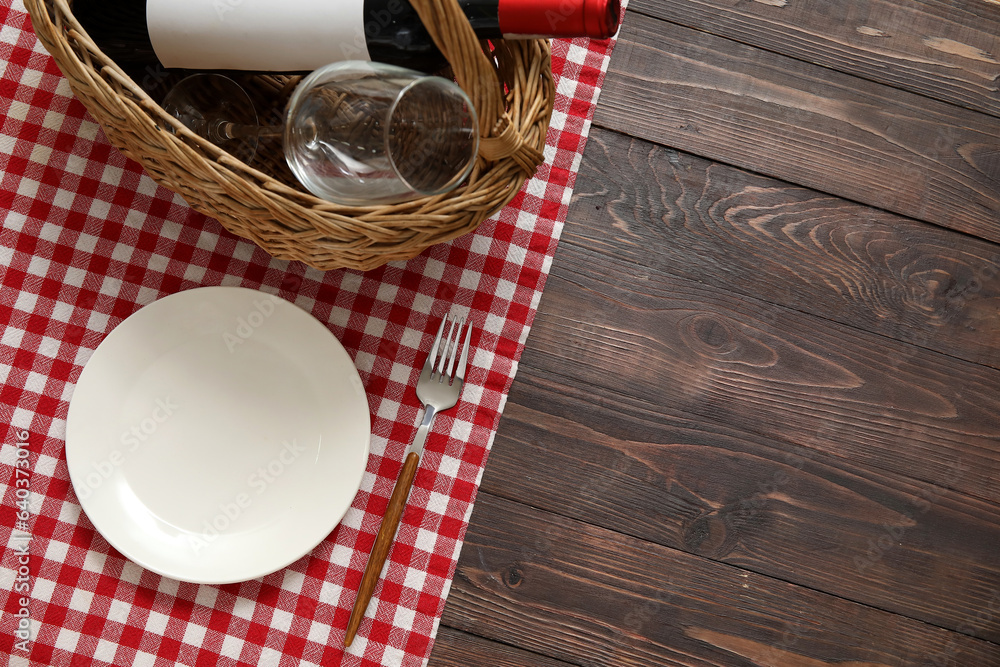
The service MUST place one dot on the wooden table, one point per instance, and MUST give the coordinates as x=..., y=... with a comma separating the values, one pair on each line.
x=757, y=421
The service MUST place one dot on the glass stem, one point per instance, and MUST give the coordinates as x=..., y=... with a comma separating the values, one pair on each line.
x=221, y=130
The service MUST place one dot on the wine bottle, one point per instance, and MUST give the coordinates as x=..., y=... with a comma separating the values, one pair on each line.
x=302, y=35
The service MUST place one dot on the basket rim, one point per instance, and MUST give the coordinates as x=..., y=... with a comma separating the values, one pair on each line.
x=479, y=196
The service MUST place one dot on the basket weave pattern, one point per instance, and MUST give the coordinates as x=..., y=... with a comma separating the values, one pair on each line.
x=513, y=95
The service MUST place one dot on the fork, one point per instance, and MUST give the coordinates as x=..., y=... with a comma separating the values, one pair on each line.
x=438, y=388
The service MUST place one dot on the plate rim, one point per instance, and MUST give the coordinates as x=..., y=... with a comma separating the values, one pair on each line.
x=308, y=319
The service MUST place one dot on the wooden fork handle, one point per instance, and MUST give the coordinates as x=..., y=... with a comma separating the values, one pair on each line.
x=383, y=542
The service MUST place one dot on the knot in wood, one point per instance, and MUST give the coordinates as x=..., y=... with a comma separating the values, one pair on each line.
x=708, y=535
x=513, y=576
x=713, y=334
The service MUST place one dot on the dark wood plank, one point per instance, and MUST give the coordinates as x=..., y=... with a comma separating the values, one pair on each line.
x=770, y=507
x=453, y=648
x=658, y=340
x=591, y=596
x=804, y=123
x=787, y=245
x=945, y=49
x=756, y=424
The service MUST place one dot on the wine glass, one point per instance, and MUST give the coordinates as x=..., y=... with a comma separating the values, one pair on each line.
x=355, y=132
x=219, y=109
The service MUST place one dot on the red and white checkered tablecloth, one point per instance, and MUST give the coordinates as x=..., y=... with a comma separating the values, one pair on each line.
x=87, y=239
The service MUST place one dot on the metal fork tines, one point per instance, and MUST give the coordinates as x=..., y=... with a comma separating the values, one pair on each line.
x=438, y=388
x=440, y=382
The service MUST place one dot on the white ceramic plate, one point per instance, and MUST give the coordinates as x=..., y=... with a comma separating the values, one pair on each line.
x=217, y=435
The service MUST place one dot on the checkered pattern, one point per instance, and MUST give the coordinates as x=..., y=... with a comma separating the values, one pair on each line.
x=87, y=239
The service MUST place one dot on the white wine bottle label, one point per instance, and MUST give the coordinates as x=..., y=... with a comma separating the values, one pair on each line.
x=262, y=35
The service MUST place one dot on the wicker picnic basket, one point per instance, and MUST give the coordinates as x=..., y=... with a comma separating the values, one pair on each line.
x=509, y=82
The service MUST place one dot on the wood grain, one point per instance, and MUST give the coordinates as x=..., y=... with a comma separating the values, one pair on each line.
x=656, y=340
x=771, y=507
x=804, y=123
x=591, y=596
x=756, y=419
x=788, y=245
x=947, y=50
x=454, y=648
